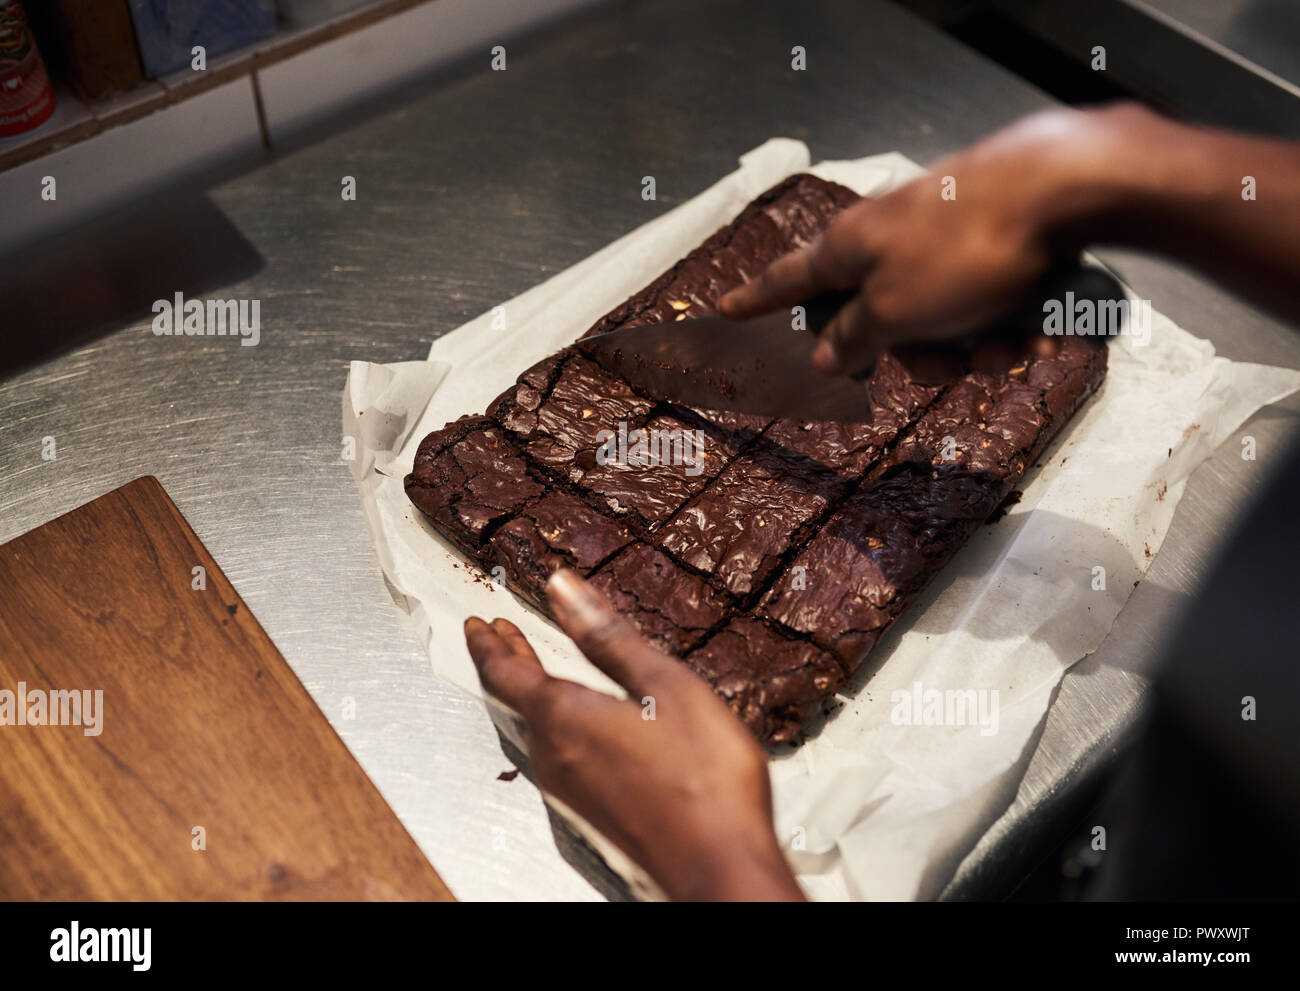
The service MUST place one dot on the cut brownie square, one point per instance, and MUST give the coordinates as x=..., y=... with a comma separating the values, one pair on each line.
x=468, y=477
x=647, y=474
x=982, y=423
x=557, y=531
x=739, y=528
x=672, y=608
x=772, y=682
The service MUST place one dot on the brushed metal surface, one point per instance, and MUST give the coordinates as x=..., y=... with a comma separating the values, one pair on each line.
x=473, y=186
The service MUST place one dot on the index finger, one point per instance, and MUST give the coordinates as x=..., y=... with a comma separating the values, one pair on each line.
x=830, y=262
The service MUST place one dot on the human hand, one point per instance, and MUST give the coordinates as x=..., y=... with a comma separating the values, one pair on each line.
x=685, y=794
x=952, y=250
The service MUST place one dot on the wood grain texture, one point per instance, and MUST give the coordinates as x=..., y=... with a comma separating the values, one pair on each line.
x=203, y=725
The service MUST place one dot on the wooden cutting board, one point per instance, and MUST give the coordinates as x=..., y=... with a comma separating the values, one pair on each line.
x=212, y=775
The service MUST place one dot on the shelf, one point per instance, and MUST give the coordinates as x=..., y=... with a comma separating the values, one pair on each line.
x=75, y=120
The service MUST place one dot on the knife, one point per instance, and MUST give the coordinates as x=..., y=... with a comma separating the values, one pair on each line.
x=763, y=366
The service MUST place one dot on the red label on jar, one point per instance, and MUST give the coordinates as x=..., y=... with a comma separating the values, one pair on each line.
x=26, y=97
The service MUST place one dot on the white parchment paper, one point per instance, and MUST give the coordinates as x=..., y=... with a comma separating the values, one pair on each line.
x=881, y=802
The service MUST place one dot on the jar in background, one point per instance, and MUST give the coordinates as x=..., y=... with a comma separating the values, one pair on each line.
x=26, y=97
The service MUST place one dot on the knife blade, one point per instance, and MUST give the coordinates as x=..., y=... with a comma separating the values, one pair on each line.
x=759, y=366
x=763, y=366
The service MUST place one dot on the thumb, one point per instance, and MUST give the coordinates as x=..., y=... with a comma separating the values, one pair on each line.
x=607, y=639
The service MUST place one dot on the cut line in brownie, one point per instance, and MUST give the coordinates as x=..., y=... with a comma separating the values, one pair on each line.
x=556, y=531
x=947, y=474
x=516, y=408
x=672, y=608
x=849, y=449
x=568, y=421
x=771, y=681
x=740, y=527
x=1000, y=423
x=468, y=478
x=858, y=573
x=647, y=474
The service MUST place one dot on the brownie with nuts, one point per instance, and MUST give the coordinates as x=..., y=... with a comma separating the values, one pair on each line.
x=773, y=564
x=944, y=476
x=571, y=415
x=647, y=474
x=849, y=449
x=740, y=527
x=855, y=576
x=516, y=408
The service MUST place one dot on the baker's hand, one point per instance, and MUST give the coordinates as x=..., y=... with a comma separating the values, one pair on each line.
x=944, y=254
x=685, y=794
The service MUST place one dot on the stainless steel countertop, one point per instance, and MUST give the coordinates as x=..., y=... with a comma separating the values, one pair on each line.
x=1263, y=31
x=473, y=187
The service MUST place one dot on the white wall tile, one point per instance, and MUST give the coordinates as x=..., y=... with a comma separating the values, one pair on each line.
x=124, y=162
x=320, y=81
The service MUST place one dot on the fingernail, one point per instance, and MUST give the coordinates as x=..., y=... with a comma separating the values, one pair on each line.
x=472, y=619
x=575, y=602
x=825, y=358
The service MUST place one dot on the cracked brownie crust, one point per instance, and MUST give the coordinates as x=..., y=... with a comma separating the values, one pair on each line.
x=673, y=608
x=773, y=682
x=773, y=556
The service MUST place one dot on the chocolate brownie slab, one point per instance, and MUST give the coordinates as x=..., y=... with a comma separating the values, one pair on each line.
x=557, y=531
x=739, y=528
x=760, y=506
x=772, y=682
x=468, y=477
x=671, y=607
x=832, y=529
